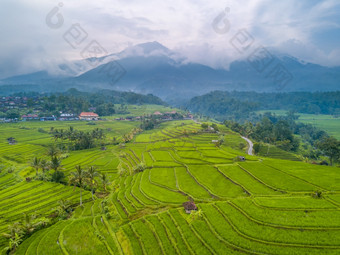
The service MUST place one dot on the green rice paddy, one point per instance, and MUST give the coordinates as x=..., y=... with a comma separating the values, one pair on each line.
x=260, y=206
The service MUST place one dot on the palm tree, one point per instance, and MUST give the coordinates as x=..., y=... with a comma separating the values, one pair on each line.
x=63, y=207
x=27, y=224
x=36, y=164
x=70, y=133
x=78, y=178
x=53, y=151
x=55, y=163
x=44, y=164
x=91, y=174
x=104, y=179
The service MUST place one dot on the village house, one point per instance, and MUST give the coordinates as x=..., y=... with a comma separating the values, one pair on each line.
x=189, y=117
x=157, y=113
x=171, y=113
x=30, y=117
x=49, y=118
x=67, y=116
x=88, y=116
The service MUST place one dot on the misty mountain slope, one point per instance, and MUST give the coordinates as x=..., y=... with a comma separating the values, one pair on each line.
x=29, y=78
x=157, y=74
x=152, y=68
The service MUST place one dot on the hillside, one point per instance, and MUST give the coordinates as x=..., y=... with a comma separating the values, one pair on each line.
x=222, y=104
x=153, y=68
x=259, y=206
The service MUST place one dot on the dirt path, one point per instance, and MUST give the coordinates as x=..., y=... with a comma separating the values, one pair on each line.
x=250, y=143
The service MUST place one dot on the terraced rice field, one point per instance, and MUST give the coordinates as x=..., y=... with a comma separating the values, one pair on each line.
x=260, y=206
x=36, y=197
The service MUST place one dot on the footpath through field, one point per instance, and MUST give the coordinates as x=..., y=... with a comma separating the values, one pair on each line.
x=250, y=149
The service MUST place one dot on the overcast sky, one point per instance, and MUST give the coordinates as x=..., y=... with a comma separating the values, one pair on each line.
x=306, y=29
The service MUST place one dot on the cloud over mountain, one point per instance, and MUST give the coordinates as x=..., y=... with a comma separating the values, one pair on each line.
x=297, y=27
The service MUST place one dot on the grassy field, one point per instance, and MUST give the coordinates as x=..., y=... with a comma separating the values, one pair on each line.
x=324, y=122
x=265, y=205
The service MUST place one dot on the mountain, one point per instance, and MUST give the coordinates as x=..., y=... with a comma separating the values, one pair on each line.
x=153, y=68
x=29, y=78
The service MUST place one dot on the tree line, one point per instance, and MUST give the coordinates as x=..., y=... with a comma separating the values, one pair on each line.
x=239, y=106
x=285, y=133
x=79, y=140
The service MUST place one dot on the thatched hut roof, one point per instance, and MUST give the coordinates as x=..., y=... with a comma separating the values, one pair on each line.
x=189, y=206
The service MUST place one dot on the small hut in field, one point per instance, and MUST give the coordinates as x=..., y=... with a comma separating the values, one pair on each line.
x=189, y=206
x=11, y=141
x=241, y=158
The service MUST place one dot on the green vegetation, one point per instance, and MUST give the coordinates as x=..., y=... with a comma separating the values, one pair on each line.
x=331, y=124
x=125, y=194
x=328, y=123
x=104, y=102
x=240, y=106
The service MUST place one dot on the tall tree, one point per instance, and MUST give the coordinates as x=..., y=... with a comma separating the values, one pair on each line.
x=78, y=178
x=35, y=163
x=91, y=175
x=53, y=151
x=55, y=163
x=331, y=148
x=104, y=180
x=44, y=164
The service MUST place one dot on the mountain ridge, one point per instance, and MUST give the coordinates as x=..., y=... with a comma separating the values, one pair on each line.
x=153, y=68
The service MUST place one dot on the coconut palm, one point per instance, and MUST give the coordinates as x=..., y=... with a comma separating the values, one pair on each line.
x=35, y=163
x=44, y=164
x=91, y=175
x=53, y=151
x=70, y=133
x=104, y=180
x=55, y=163
x=78, y=178
x=64, y=207
x=27, y=224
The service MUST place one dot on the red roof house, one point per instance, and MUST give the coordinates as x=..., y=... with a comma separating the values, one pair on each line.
x=88, y=116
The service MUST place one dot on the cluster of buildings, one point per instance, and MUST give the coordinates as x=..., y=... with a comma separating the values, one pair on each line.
x=63, y=117
x=19, y=103
x=7, y=103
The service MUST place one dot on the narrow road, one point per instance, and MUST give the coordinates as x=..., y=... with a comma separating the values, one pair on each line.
x=250, y=143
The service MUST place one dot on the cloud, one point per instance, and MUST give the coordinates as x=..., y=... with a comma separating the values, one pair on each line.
x=308, y=29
